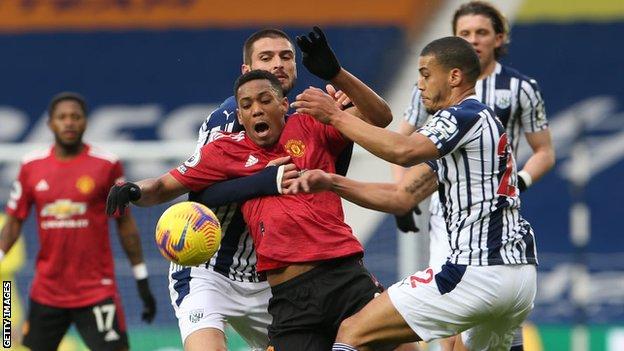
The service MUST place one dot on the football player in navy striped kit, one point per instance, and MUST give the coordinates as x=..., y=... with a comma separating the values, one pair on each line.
x=516, y=100
x=487, y=286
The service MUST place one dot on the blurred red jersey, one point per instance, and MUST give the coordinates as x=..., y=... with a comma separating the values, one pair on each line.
x=287, y=228
x=74, y=265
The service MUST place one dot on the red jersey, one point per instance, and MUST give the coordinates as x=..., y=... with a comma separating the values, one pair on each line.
x=287, y=228
x=74, y=265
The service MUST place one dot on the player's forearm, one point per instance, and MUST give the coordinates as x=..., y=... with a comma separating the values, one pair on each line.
x=130, y=239
x=405, y=128
x=154, y=191
x=540, y=163
x=371, y=106
x=376, y=196
x=390, y=146
x=10, y=233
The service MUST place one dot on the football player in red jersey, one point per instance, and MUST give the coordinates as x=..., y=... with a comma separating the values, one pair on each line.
x=74, y=276
x=310, y=255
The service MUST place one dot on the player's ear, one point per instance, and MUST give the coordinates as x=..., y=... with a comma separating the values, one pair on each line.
x=284, y=104
x=238, y=116
x=245, y=68
x=499, y=40
x=455, y=77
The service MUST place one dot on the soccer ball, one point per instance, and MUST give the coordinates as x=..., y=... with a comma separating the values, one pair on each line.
x=188, y=233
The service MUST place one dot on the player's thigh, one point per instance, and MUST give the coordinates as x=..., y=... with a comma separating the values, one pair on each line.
x=102, y=325
x=378, y=323
x=206, y=339
x=45, y=326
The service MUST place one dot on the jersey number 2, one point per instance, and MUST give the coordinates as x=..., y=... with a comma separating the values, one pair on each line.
x=505, y=167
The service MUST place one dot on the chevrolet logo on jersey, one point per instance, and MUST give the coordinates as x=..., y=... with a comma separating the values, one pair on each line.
x=63, y=209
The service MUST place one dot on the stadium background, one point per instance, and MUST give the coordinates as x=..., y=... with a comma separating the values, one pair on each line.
x=152, y=69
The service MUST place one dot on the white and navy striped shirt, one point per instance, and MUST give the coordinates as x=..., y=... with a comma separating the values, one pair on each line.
x=515, y=98
x=478, y=191
x=236, y=257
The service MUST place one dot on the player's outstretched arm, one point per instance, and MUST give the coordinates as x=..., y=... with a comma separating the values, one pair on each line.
x=397, y=198
x=131, y=243
x=147, y=192
x=320, y=60
x=267, y=182
x=9, y=234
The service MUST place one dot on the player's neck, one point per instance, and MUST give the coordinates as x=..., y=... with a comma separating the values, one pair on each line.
x=487, y=69
x=67, y=152
x=458, y=94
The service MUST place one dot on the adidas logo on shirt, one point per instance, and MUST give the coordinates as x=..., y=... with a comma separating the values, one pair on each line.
x=42, y=185
x=252, y=160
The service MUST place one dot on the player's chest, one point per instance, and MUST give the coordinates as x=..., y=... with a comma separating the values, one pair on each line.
x=304, y=153
x=75, y=184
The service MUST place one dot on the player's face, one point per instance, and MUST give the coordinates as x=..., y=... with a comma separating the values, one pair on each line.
x=68, y=123
x=277, y=56
x=433, y=83
x=479, y=31
x=261, y=111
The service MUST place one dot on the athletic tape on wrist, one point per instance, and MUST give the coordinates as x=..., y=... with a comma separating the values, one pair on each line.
x=139, y=271
x=528, y=180
x=278, y=178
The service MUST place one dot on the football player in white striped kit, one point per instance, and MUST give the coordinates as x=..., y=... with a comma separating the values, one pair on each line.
x=487, y=286
x=516, y=100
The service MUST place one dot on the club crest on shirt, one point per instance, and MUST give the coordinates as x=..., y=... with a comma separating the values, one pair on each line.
x=85, y=184
x=295, y=148
x=196, y=315
x=503, y=98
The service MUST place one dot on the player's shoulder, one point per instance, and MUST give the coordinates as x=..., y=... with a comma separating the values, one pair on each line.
x=98, y=153
x=220, y=138
x=467, y=109
x=36, y=155
x=514, y=73
x=223, y=113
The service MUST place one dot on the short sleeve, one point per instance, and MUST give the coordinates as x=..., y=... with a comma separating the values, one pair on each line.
x=533, y=112
x=449, y=132
x=117, y=173
x=202, y=169
x=20, y=197
x=416, y=114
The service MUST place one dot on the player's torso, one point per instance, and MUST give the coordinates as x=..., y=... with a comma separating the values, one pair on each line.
x=74, y=259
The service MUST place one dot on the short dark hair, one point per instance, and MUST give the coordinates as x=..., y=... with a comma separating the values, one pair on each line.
x=263, y=33
x=455, y=52
x=259, y=74
x=67, y=95
x=499, y=22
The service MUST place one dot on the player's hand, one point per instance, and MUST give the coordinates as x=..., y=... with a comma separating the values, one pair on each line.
x=316, y=103
x=309, y=181
x=149, y=304
x=342, y=100
x=120, y=196
x=406, y=223
x=318, y=57
x=286, y=172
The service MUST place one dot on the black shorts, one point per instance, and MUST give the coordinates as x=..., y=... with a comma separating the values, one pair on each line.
x=307, y=310
x=101, y=326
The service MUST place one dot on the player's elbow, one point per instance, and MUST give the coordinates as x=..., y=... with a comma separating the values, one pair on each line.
x=385, y=115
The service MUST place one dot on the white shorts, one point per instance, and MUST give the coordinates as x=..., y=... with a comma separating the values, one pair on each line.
x=439, y=248
x=203, y=298
x=486, y=304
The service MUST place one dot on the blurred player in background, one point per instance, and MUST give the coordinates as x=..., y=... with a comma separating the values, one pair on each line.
x=74, y=276
x=487, y=286
x=516, y=100
x=201, y=308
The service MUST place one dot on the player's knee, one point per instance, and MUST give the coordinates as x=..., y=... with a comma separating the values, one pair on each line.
x=207, y=339
x=349, y=333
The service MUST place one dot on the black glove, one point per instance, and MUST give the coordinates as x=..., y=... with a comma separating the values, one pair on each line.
x=318, y=57
x=406, y=222
x=149, y=304
x=120, y=196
